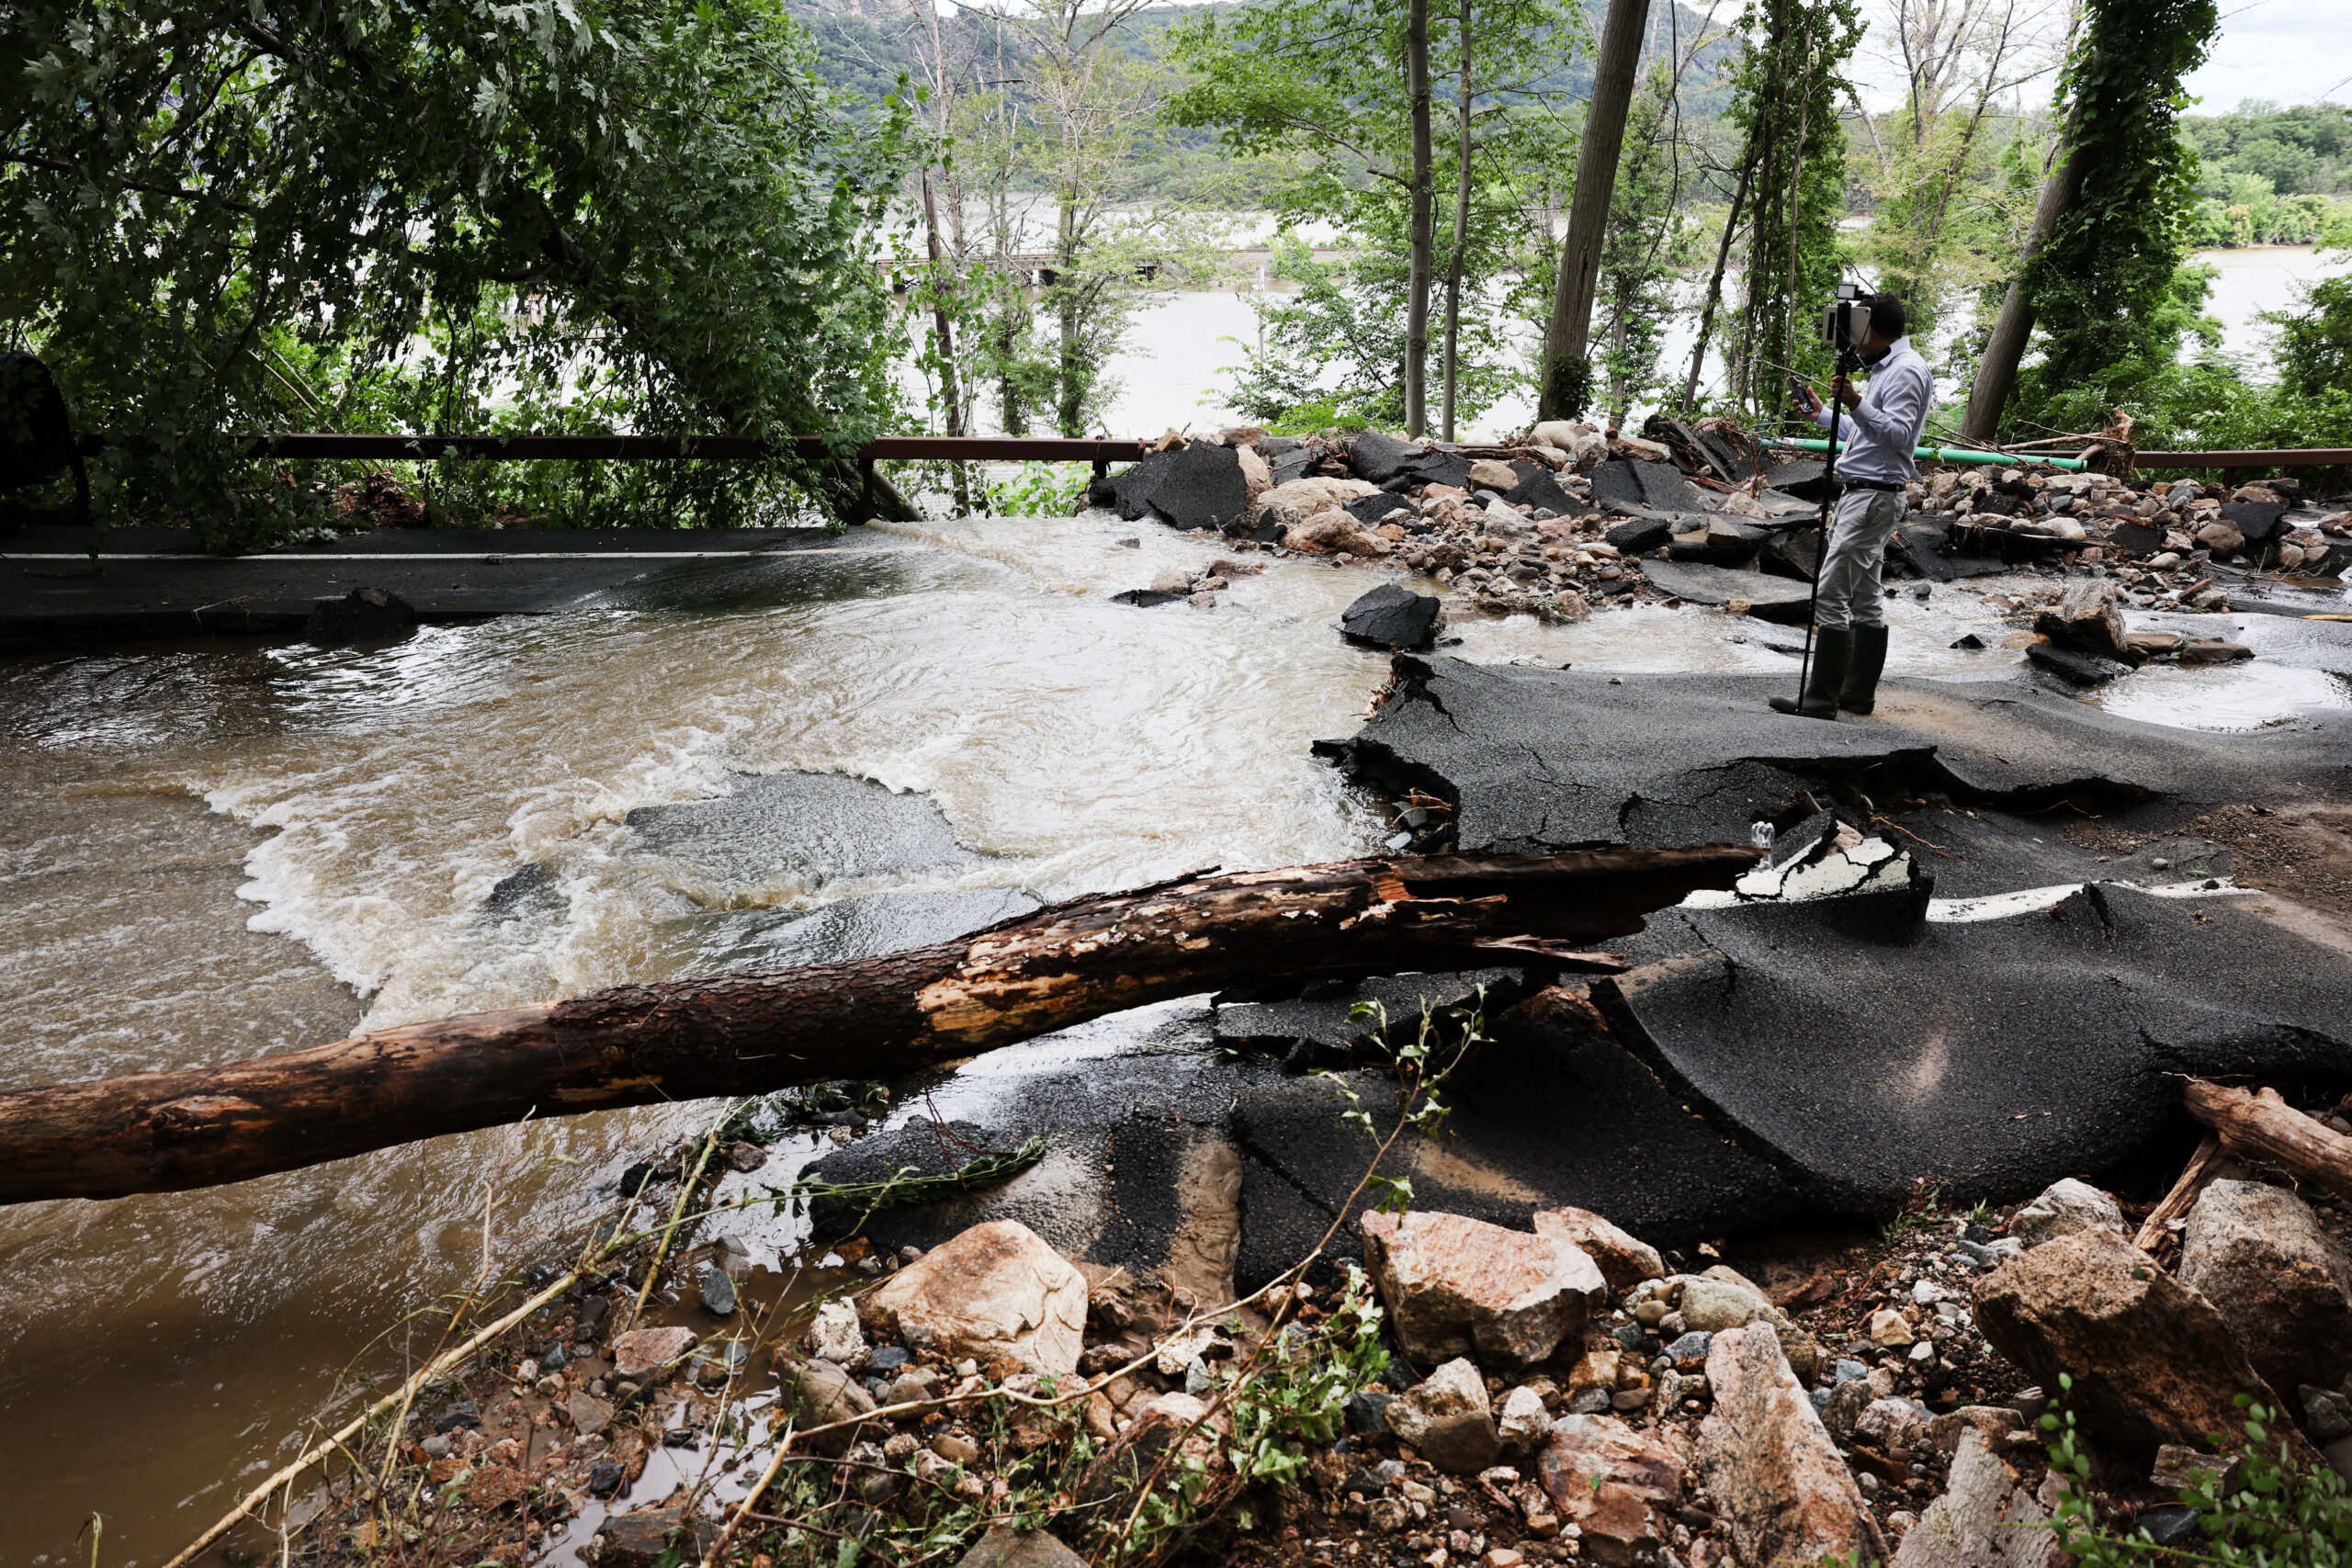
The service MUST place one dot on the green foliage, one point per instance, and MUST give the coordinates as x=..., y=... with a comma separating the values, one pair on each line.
x=2315, y=338
x=1315, y=89
x=1643, y=251
x=2277, y=1514
x=2110, y=302
x=1040, y=489
x=1788, y=92
x=2305, y=148
x=647, y=214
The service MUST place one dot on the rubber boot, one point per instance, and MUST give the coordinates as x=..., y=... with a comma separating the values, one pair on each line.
x=1859, y=694
x=1833, y=650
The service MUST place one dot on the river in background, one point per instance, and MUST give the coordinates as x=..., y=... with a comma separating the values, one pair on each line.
x=1183, y=350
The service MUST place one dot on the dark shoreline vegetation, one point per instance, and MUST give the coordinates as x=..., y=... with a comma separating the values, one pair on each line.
x=553, y=226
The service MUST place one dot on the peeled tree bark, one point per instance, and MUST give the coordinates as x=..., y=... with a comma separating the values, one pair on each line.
x=1565, y=340
x=762, y=1030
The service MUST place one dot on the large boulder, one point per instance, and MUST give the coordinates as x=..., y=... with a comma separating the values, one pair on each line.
x=2152, y=1362
x=1391, y=616
x=1447, y=1417
x=2062, y=1209
x=1605, y=1477
x=1624, y=1259
x=820, y=1394
x=995, y=1292
x=2257, y=1252
x=1767, y=1466
x=1455, y=1285
x=1985, y=1519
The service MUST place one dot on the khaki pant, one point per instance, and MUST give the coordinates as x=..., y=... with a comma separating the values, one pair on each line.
x=1853, y=557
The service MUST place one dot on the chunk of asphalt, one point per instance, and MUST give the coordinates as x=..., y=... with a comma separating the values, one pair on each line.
x=1147, y=598
x=1662, y=486
x=1807, y=478
x=1640, y=536
x=2075, y=668
x=817, y=828
x=1372, y=511
x=1197, y=485
x=1563, y=758
x=1991, y=1057
x=1539, y=489
x=1378, y=457
x=1391, y=615
x=1618, y=480
x=850, y=928
x=1769, y=598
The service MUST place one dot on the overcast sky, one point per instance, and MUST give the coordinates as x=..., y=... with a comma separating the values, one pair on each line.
x=2295, y=51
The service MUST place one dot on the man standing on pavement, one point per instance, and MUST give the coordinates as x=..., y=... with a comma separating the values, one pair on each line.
x=1849, y=610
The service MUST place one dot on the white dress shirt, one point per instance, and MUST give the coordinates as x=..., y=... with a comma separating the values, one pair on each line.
x=1886, y=426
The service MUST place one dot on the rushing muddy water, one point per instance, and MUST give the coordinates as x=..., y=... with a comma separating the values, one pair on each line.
x=223, y=848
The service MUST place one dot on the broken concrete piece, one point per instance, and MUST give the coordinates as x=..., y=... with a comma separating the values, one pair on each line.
x=1985, y=1519
x=1769, y=1468
x=1624, y=1260
x=1456, y=1285
x=834, y=1335
x=2257, y=1252
x=2152, y=1362
x=994, y=1292
x=1446, y=1416
x=2064, y=1207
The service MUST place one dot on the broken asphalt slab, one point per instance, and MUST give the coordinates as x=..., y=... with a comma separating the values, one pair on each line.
x=1768, y=598
x=1551, y=759
x=1989, y=1057
x=1197, y=485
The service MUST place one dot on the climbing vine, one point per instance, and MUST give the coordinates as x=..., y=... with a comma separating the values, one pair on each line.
x=1786, y=91
x=2105, y=288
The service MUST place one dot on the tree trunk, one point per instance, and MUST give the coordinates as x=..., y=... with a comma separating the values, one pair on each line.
x=1715, y=281
x=1604, y=137
x=2266, y=1129
x=949, y=386
x=1996, y=372
x=1461, y=231
x=1418, y=269
x=751, y=1033
x=1072, y=381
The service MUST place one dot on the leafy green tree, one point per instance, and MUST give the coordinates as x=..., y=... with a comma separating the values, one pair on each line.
x=1643, y=250
x=1786, y=93
x=206, y=211
x=2110, y=301
x=1316, y=89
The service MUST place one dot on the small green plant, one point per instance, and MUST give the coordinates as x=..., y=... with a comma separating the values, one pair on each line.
x=1039, y=490
x=2274, y=1512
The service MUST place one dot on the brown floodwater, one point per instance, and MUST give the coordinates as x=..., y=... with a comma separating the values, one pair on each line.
x=224, y=849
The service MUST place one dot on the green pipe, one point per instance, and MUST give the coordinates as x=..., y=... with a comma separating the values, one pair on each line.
x=1954, y=455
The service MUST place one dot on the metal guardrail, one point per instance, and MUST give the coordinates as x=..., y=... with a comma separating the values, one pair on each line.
x=2290, y=458
x=649, y=448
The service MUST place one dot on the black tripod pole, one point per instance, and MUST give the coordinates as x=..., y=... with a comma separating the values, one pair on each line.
x=1821, y=556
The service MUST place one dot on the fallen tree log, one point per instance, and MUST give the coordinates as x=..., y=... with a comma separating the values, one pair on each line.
x=758, y=1031
x=2265, y=1127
